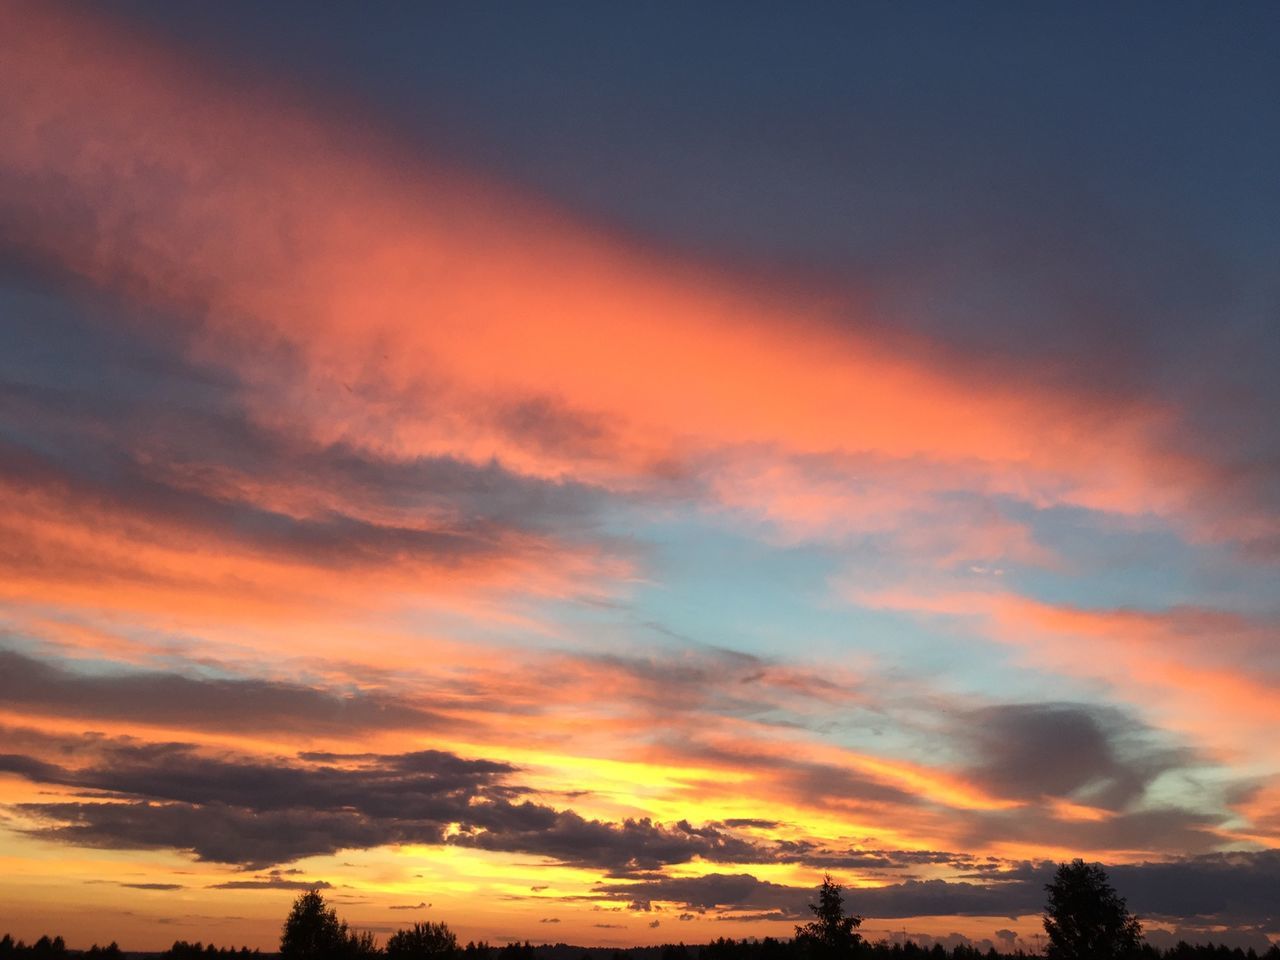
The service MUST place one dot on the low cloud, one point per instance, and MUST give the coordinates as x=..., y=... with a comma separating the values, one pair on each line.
x=272, y=883
x=715, y=891
x=258, y=812
x=141, y=886
x=1236, y=889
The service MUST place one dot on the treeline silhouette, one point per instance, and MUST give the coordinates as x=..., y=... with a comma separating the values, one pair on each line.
x=1085, y=919
x=767, y=948
x=56, y=947
x=48, y=946
x=181, y=950
x=724, y=948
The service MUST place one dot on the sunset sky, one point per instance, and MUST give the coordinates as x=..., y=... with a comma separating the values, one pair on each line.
x=581, y=472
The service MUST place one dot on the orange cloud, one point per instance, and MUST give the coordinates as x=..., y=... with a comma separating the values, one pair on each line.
x=367, y=299
x=370, y=304
x=1180, y=665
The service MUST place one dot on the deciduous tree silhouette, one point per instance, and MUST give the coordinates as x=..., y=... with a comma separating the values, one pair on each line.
x=1086, y=919
x=423, y=941
x=313, y=931
x=831, y=933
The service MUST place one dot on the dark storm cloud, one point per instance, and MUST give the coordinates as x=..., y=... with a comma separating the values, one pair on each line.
x=1089, y=753
x=42, y=686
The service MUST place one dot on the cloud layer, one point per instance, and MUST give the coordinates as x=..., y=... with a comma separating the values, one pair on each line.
x=390, y=522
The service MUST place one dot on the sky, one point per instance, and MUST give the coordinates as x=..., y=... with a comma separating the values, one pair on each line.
x=582, y=472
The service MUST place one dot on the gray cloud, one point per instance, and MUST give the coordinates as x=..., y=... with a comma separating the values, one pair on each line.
x=104, y=415
x=818, y=783
x=914, y=898
x=274, y=882
x=548, y=424
x=200, y=703
x=141, y=886
x=738, y=892
x=428, y=783
x=715, y=891
x=212, y=832
x=1073, y=750
x=623, y=848
x=1236, y=889
x=259, y=812
x=117, y=483
x=1239, y=888
x=1174, y=830
x=232, y=809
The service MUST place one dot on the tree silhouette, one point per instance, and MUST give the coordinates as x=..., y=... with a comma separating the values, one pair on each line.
x=831, y=933
x=313, y=931
x=1086, y=919
x=361, y=945
x=44, y=947
x=423, y=941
